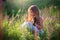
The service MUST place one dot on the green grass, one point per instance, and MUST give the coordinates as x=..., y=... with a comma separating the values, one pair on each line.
x=14, y=31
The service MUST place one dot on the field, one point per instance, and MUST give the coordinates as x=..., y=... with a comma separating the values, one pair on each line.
x=14, y=13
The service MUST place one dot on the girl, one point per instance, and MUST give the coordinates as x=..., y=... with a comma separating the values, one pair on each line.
x=35, y=22
x=36, y=19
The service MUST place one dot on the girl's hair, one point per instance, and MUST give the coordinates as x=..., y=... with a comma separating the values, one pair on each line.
x=35, y=11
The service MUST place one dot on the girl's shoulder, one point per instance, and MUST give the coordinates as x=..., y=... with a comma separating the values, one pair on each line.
x=27, y=23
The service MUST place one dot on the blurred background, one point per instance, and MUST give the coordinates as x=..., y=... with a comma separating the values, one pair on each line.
x=12, y=16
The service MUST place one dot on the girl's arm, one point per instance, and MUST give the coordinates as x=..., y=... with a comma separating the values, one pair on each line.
x=40, y=25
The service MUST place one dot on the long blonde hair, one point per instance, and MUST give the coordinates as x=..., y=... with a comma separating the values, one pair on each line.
x=33, y=11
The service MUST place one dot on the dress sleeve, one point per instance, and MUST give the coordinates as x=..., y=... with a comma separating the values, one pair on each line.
x=28, y=25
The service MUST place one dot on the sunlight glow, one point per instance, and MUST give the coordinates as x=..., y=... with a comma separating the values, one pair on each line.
x=18, y=2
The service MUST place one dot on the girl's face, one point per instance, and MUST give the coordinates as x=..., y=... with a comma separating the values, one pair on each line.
x=34, y=14
x=31, y=13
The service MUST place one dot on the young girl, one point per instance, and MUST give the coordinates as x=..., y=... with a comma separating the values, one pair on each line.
x=35, y=22
x=35, y=18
